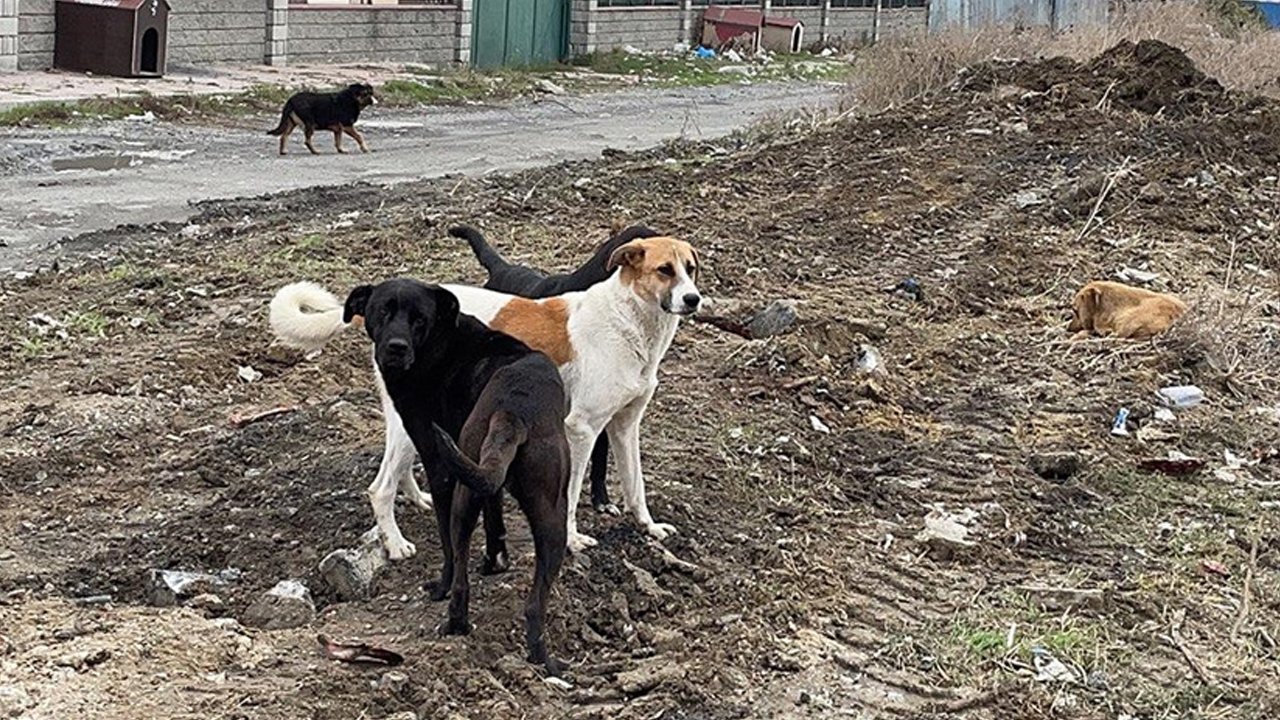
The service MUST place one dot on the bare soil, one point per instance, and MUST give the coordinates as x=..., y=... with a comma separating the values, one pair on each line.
x=796, y=587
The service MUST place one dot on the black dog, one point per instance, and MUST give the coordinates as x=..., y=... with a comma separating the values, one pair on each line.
x=451, y=377
x=534, y=284
x=326, y=111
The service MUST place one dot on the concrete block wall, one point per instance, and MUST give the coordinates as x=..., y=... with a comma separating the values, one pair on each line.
x=35, y=34
x=393, y=34
x=204, y=31
x=851, y=25
x=646, y=28
x=903, y=22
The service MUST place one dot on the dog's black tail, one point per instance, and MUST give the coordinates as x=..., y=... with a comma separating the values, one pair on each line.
x=284, y=122
x=487, y=256
x=506, y=434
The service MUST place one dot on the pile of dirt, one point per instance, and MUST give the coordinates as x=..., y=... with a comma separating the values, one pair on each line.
x=1149, y=76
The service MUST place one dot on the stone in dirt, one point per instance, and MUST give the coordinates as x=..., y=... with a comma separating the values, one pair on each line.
x=350, y=573
x=1056, y=465
x=169, y=587
x=649, y=676
x=287, y=605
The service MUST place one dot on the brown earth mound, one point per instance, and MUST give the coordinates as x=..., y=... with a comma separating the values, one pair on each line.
x=1148, y=76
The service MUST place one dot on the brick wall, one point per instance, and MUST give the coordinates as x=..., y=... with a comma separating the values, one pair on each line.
x=402, y=34
x=202, y=31
x=644, y=28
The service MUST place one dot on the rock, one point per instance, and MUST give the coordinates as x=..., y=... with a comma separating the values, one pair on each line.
x=14, y=701
x=775, y=319
x=350, y=573
x=646, y=583
x=1028, y=198
x=870, y=329
x=83, y=659
x=944, y=533
x=207, y=602
x=393, y=680
x=649, y=676
x=1056, y=466
x=287, y=605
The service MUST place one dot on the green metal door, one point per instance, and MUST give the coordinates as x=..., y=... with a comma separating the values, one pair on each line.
x=519, y=32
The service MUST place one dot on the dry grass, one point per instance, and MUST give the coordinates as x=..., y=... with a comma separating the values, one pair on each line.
x=1241, y=55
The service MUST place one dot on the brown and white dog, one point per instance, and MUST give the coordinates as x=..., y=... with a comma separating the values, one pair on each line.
x=606, y=341
x=1123, y=311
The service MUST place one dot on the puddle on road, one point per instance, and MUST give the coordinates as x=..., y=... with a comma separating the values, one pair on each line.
x=103, y=162
x=96, y=162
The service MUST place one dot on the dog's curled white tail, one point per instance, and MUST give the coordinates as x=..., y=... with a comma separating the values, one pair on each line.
x=304, y=315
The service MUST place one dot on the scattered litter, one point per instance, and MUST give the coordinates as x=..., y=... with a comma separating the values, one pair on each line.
x=558, y=683
x=239, y=420
x=146, y=117
x=979, y=131
x=1027, y=198
x=168, y=587
x=190, y=231
x=1229, y=472
x=733, y=56
x=1181, y=397
x=868, y=359
x=1120, y=425
x=1175, y=465
x=1164, y=415
x=632, y=50
x=248, y=374
x=1204, y=178
x=1050, y=668
x=818, y=425
x=908, y=288
x=581, y=183
x=737, y=70
x=358, y=652
x=1136, y=276
x=546, y=86
x=1213, y=567
x=704, y=53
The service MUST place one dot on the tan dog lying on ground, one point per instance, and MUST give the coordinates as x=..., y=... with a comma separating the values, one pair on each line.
x=1123, y=311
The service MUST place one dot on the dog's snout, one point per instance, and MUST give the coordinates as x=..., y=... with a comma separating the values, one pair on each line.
x=691, y=300
x=397, y=346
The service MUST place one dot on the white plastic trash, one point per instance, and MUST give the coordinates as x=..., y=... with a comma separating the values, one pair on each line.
x=1181, y=397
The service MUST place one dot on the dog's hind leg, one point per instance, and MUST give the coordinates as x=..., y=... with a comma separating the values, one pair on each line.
x=308, y=131
x=496, y=558
x=462, y=524
x=284, y=136
x=599, y=474
x=396, y=470
x=337, y=139
x=542, y=496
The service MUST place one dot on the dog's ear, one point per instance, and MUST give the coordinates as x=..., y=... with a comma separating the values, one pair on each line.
x=356, y=303
x=697, y=264
x=630, y=254
x=446, y=308
x=1083, y=308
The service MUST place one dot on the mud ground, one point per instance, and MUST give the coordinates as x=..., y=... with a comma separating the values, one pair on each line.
x=64, y=182
x=797, y=586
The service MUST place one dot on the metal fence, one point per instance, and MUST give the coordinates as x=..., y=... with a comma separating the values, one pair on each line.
x=1057, y=14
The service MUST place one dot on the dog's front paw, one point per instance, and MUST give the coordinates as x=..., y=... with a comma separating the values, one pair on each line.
x=660, y=531
x=579, y=542
x=454, y=626
x=400, y=549
x=422, y=500
x=608, y=509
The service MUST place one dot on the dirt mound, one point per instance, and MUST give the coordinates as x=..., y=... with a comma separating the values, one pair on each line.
x=1149, y=76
